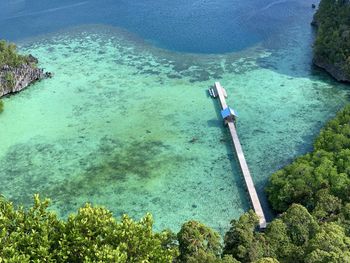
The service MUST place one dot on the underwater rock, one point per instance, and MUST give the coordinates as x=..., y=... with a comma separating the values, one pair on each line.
x=15, y=79
x=193, y=140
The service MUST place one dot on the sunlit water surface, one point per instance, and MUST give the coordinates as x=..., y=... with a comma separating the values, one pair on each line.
x=127, y=123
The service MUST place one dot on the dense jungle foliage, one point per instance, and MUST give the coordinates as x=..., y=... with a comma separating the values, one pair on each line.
x=332, y=43
x=312, y=193
x=9, y=55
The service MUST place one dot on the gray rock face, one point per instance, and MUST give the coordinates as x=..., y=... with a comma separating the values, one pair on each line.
x=15, y=79
x=336, y=71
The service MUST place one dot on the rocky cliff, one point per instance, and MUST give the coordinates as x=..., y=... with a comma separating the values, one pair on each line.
x=14, y=79
x=336, y=70
x=332, y=44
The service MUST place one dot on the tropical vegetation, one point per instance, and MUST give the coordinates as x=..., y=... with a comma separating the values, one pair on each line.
x=332, y=45
x=9, y=55
x=311, y=195
x=92, y=235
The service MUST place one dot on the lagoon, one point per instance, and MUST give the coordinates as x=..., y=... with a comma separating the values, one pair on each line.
x=126, y=122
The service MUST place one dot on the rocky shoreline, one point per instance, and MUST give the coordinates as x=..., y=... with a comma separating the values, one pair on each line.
x=323, y=59
x=15, y=79
x=335, y=70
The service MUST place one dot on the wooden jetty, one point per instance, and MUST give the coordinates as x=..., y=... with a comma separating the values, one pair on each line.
x=219, y=91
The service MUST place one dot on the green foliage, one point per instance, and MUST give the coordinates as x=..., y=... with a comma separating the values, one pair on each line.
x=266, y=260
x=280, y=244
x=198, y=243
x=332, y=43
x=28, y=235
x=9, y=79
x=330, y=244
x=1, y=106
x=300, y=225
x=344, y=218
x=319, y=180
x=242, y=241
x=9, y=55
x=285, y=239
x=327, y=206
x=92, y=235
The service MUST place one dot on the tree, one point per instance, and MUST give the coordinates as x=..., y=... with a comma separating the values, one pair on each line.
x=9, y=55
x=266, y=260
x=198, y=243
x=279, y=243
x=329, y=245
x=344, y=218
x=287, y=236
x=31, y=235
x=241, y=241
x=332, y=44
x=300, y=225
x=92, y=235
x=327, y=207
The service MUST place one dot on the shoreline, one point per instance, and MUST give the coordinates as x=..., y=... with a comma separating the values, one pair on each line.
x=14, y=79
x=334, y=70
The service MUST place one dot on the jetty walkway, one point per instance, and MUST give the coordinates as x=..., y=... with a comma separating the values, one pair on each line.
x=229, y=116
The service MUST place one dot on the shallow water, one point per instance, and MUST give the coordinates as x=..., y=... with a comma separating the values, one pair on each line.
x=128, y=125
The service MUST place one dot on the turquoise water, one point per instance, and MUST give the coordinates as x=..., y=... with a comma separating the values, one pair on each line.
x=129, y=126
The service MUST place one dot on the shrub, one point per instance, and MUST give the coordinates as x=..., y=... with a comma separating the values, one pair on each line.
x=9, y=55
x=9, y=79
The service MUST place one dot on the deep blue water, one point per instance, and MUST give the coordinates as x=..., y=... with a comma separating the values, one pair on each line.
x=198, y=26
